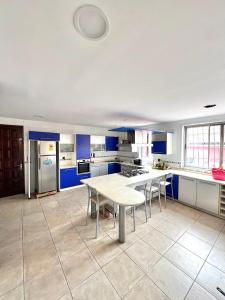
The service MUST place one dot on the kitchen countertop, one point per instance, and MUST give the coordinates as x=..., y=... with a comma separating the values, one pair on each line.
x=67, y=167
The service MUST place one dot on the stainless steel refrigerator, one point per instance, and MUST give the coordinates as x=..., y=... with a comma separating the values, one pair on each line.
x=46, y=166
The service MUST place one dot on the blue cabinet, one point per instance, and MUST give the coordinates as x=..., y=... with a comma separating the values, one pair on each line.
x=175, y=187
x=68, y=177
x=111, y=143
x=114, y=168
x=159, y=147
x=82, y=176
x=83, y=146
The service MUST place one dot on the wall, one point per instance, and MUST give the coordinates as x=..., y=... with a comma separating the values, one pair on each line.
x=177, y=129
x=53, y=127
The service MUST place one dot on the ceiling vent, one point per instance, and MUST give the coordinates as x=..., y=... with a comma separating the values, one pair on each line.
x=91, y=22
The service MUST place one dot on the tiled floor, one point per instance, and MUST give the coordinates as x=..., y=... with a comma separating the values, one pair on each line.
x=47, y=252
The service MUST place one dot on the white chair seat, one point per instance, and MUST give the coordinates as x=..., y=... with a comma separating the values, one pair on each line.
x=101, y=199
x=165, y=183
x=152, y=189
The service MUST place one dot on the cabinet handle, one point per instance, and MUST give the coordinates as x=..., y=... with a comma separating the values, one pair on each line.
x=187, y=178
x=209, y=183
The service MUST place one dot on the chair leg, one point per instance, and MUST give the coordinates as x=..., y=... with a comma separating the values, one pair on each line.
x=160, y=205
x=114, y=214
x=88, y=208
x=97, y=219
x=134, y=218
x=150, y=204
x=165, y=195
x=146, y=215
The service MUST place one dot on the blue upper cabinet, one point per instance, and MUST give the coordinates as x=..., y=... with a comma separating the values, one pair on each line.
x=83, y=146
x=159, y=147
x=111, y=143
x=162, y=142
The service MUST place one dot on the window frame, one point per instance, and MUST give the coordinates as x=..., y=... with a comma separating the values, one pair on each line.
x=222, y=145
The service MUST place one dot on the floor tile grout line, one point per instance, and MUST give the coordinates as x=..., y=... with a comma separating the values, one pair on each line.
x=56, y=251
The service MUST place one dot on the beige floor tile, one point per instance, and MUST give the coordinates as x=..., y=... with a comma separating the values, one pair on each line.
x=198, y=293
x=33, y=227
x=11, y=252
x=39, y=260
x=210, y=278
x=104, y=249
x=146, y=290
x=67, y=241
x=56, y=218
x=11, y=275
x=185, y=260
x=50, y=285
x=220, y=243
x=217, y=258
x=158, y=241
x=87, y=232
x=143, y=255
x=66, y=297
x=10, y=233
x=95, y=287
x=16, y=294
x=195, y=245
x=171, y=230
x=204, y=232
x=172, y=281
x=79, y=267
x=123, y=273
x=211, y=221
x=31, y=207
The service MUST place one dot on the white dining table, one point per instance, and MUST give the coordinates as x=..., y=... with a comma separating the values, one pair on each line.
x=120, y=190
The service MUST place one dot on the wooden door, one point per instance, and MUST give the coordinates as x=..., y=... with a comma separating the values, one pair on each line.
x=11, y=160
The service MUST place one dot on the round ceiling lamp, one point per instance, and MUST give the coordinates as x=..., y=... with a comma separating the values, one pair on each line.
x=90, y=22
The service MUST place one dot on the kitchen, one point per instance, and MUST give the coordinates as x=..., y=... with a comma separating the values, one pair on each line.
x=112, y=150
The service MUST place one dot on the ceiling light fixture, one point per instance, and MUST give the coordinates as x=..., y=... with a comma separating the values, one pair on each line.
x=91, y=22
x=209, y=105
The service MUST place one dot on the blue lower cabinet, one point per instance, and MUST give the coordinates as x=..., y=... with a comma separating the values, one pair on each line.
x=159, y=147
x=82, y=176
x=175, y=187
x=68, y=177
x=114, y=168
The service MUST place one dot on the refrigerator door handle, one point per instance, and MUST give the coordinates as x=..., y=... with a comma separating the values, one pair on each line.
x=39, y=163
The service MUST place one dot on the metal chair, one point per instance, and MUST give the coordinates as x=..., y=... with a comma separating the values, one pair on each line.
x=168, y=180
x=152, y=188
x=98, y=200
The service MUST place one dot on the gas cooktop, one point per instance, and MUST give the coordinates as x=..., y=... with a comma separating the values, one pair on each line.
x=132, y=173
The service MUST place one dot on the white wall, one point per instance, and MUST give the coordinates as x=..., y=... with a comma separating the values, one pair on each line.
x=53, y=127
x=177, y=129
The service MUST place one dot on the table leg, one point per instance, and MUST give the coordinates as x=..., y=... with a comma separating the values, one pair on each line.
x=122, y=224
x=93, y=210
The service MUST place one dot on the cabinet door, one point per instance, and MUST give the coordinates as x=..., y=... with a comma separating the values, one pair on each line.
x=117, y=167
x=187, y=190
x=175, y=187
x=208, y=196
x=111, y=168
x=111, y=143
x=95, y=171
x=67, y=177
x=83, y=146
x=80, y=177
x=103, y=170
x=159, y=147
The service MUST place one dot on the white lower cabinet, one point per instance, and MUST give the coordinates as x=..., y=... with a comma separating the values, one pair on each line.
x=98, y=170
x=187, y=190
x=208, y=196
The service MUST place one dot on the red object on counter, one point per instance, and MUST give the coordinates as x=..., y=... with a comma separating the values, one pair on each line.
x=218, y=174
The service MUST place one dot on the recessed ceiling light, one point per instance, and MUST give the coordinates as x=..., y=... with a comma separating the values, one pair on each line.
x=90, y=22
x=209, y=105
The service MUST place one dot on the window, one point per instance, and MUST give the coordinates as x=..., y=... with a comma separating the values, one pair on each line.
x=204, y=146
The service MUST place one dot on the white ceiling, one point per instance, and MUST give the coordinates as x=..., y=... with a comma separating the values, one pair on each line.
x=161, y=61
